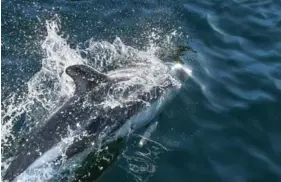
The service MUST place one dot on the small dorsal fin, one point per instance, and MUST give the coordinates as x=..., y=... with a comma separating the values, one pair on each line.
x=85, y=77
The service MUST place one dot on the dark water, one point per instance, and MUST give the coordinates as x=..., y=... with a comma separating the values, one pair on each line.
x=225, y=125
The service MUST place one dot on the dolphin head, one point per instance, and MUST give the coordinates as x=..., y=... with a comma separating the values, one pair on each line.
x=180, y=72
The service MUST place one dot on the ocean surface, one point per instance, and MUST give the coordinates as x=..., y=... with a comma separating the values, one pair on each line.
x=224, y=125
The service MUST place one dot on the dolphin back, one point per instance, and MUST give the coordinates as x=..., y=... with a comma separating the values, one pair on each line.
x=85, y=77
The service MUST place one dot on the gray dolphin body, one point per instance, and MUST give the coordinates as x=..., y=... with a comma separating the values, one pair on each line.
x=81, y=112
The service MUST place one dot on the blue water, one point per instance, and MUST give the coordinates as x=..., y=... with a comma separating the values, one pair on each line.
x=225, y=125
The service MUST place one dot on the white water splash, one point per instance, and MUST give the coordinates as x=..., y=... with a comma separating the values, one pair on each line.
x=50, y=87
x=139, y=161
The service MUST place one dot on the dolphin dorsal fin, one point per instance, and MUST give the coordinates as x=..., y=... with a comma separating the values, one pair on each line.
x=85, y=77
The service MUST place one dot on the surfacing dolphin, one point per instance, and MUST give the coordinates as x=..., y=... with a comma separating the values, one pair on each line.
x=83, y=112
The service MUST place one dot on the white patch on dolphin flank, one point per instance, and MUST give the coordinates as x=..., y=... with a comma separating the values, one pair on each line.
x=143, y=118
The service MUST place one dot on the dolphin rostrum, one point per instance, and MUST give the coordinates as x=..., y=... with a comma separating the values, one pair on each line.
x=83, y=112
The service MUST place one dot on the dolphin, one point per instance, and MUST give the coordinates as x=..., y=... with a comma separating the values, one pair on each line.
x=82, y=112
